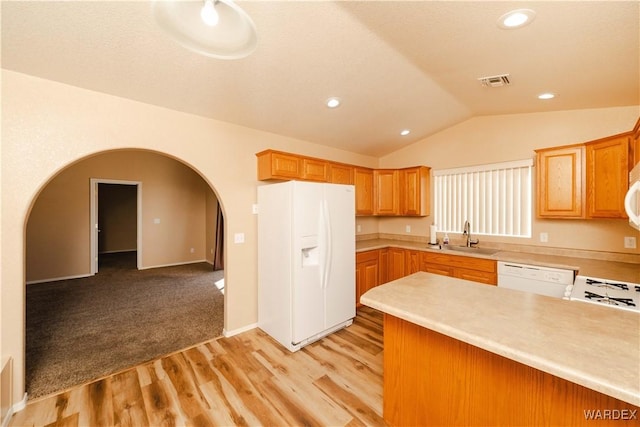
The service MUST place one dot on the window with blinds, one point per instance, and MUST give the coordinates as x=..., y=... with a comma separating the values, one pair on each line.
x=495, y=199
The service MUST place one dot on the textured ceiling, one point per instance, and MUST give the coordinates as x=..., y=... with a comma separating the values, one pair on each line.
x=395, y=64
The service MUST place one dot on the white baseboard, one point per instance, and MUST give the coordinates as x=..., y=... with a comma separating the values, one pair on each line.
x=57, y=279
x=14, y=410
x=173, y=264
x=239, y=330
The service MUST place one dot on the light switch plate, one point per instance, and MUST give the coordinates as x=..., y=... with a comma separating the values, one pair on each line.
x=629, y=242
x=544, y=237
x=238, y=238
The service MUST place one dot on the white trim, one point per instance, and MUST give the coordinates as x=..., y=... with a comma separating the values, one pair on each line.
x=57, y=279
x=483, y=168
x=229, y=334
x=14, y=410
x=172, y=264
x=93, y=184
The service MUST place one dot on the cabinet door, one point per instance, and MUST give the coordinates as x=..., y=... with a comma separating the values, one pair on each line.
x=559, y=182
x=386, y=190
x=383, y=266
x=315, y=170
x=607, y=177
x=414, y=191
x=277, y=165
x=363, y=180
x=397, y=264
x=340, y=174
x=367, y=273
x=412, y=261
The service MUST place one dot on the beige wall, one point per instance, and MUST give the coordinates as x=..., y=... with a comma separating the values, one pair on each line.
x=59, y=230
x=211, y=223
x=46, y=126
x=491, y=139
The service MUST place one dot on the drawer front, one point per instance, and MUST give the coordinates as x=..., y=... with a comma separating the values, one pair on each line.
x=460, y=261
x=476, y=276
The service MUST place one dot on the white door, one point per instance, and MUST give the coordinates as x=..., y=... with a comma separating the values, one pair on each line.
x=340, y=291
x=308, y=244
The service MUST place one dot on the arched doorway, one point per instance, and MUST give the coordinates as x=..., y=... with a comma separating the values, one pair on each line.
x=178, y=217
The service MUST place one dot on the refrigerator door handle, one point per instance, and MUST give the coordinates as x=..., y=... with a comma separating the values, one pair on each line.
x=326, y=222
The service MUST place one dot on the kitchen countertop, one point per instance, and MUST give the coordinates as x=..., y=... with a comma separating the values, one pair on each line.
x=613, y=270
x=594, y=346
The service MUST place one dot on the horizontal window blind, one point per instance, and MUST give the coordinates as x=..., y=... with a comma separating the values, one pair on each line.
x=495, y=199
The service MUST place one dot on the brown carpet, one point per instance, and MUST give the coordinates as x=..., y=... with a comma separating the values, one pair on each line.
x=82, y=329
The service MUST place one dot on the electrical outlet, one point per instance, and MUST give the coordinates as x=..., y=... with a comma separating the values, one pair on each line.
x=238, y=238
x=407, y=229
x=254, y=208
x=629, y=242
x=544, y=237
x=358, y=228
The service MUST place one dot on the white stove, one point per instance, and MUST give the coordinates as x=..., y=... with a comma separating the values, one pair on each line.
x=623, y=295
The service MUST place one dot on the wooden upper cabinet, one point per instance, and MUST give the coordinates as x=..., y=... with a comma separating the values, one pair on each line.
x=277, y=165
x=381, y=192
x=607, y=164
x=363, y=181
x=315, y=170
x=414, y=194
x=559, y=182
x=386, y=190
x=340, y=174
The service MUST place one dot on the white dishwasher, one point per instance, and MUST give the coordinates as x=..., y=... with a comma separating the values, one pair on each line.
x=538, y=280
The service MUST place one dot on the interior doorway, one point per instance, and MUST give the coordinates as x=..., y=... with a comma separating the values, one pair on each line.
x=116, y=219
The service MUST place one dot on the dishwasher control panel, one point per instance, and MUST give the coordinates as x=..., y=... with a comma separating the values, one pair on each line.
x=536, y=279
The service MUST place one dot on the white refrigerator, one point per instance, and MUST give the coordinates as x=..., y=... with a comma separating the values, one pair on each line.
x=306, y=260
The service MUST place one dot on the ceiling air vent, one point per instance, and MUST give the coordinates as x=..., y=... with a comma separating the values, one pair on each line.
x=495, y=81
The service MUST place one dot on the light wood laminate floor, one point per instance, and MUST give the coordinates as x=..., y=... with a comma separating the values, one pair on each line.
x=248, y=379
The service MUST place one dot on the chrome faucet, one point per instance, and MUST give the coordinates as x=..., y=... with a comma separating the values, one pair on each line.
x=466, y=231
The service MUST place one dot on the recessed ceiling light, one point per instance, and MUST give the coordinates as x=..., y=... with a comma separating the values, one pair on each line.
x=516, y=19
x=547, y=95
x=405, y=132
x=333, y=102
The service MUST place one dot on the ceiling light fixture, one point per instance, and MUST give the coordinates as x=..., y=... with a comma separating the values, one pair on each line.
x=216, y=28
x=547, y=95
x=516, y=19
x=209, y=14
x=333, y=102
x=405, y=132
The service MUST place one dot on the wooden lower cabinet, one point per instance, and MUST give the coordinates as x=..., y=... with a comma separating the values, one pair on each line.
x=380, y=266
x=367, y=272
x=462, y=267
x=383, y=265
x=431, y=379
x=396, y=268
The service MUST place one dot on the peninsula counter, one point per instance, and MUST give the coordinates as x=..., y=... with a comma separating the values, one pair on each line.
x=459, y=352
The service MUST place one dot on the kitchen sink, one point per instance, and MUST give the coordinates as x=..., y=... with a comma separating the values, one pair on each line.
x=473, y=250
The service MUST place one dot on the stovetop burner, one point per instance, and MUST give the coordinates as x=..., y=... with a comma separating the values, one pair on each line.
x=608, y=285
x=609, y=293
x=606, y=299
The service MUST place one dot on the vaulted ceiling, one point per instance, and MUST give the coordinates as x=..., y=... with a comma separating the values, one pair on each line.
x=394, y=64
